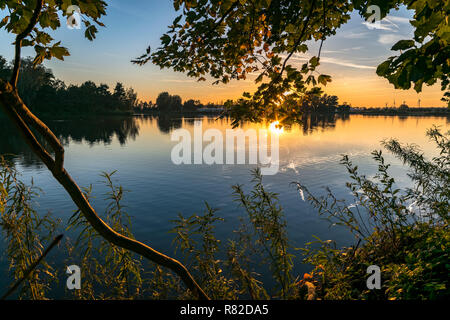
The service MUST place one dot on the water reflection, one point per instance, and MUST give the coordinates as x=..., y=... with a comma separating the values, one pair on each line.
x=139, y=148
x=310, y=123
x=105, y=130
x=89, y=131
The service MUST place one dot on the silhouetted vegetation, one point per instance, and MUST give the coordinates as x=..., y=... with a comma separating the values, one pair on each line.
x=402, y=111
x=320, y=104
x=167, y=104
x=48, y=96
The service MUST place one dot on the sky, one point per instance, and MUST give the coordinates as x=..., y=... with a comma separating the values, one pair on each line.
x=350, y=57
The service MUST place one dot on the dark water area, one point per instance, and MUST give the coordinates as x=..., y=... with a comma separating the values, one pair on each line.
x=139, y=148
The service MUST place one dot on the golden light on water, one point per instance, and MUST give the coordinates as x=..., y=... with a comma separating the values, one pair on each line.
x=276, y=127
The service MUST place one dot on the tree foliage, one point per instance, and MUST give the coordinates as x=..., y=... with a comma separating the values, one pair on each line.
x=423, y=59
x=46, y=95
x=233, y=39
x=20, y=13
x=169, y=103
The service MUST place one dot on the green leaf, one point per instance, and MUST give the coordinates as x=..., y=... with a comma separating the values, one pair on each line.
x=324, y=79
x=4, y=21
x=165, y=39
x=383, y=68
x=403, y=45
x=59, y=52
x=314, y=62
x=90, y=32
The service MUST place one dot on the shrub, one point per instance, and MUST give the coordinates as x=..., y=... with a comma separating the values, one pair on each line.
x=405, y=232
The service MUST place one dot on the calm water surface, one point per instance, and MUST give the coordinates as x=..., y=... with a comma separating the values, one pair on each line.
x=139, y=148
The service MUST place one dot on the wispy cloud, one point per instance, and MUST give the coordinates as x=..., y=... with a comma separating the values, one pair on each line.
x=178, y=80
x=344, y=63
x=332, y=51
x=397, y=19
x=336, y=61
x=390, y=39
x=379, y=26
x=354, y=35
x=389, y=23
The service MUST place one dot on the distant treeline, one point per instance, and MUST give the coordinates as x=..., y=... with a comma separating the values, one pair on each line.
x=323, y=104
x=167, y=103
x=47, y=96
x=403, y=110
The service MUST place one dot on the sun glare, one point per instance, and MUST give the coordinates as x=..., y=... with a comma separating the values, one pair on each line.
x=276, y=127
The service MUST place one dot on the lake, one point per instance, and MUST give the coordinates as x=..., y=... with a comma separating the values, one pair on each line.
x=139, y=148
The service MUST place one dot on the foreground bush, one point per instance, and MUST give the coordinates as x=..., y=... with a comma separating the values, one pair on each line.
x=404, y=232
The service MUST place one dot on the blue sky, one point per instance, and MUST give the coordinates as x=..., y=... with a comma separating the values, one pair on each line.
x=350, y=57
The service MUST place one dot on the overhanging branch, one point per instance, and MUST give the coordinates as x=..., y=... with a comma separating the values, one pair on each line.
x=18, y=44
x=300, y=38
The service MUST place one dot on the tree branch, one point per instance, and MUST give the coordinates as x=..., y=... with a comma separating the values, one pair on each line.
x=34, y=19
x=42, y=128
x=20, y=115
x=300, y=38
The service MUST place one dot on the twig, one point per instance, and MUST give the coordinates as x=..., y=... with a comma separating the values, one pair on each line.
x=300, y=38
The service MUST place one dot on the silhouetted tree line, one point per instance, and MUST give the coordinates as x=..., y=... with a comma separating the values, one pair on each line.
x=324, y=104
x=46, y=95
x=167, y=103
x=403, y=109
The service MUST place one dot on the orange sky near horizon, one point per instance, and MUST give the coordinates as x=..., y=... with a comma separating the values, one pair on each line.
x=360, y=91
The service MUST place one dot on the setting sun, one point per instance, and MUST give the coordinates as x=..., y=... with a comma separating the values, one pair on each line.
x=276, y=127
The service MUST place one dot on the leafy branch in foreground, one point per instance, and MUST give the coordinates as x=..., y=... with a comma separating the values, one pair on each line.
x=268, y=41
x=261, y=239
